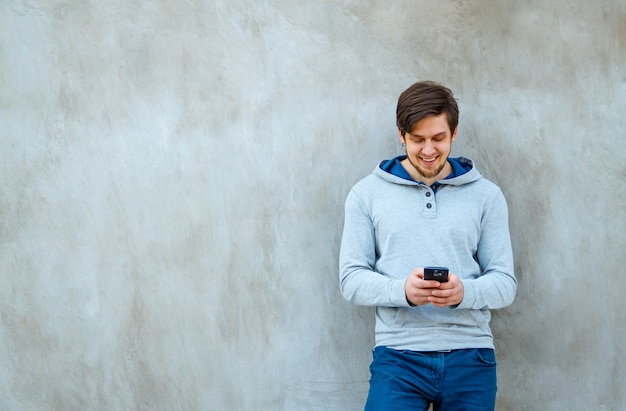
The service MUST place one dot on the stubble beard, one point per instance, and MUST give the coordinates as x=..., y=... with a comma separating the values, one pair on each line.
x=426, y=173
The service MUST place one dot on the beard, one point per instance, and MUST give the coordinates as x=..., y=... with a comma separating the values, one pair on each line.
x=427, y=173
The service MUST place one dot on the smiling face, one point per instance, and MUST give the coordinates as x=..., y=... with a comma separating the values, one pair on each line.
x=428, y=146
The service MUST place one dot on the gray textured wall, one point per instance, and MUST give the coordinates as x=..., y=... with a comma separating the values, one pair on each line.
x=173, y=176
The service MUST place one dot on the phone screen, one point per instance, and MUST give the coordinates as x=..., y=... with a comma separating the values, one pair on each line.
x=436, y=273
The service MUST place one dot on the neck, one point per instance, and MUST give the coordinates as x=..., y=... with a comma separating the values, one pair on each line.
x=417, y=176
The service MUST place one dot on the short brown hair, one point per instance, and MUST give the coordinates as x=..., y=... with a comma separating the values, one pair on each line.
x=424, y=99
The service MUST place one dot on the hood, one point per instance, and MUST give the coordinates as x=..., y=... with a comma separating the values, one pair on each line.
x=464, y=172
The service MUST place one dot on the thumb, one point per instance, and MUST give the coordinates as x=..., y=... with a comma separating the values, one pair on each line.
x=418, y=272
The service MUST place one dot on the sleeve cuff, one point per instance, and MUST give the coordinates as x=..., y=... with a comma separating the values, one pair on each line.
x=398, y=294
x=469, y=296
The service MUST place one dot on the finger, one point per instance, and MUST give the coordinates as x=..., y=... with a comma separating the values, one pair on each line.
x=431, y=285
x=437, y=301
x=442, y=293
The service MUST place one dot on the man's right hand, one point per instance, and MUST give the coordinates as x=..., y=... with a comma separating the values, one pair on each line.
x=417, y=289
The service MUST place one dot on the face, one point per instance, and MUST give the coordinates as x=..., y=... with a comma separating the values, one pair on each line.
x=428, y=146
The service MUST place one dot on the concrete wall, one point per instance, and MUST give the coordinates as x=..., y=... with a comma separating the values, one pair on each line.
x=173, y=176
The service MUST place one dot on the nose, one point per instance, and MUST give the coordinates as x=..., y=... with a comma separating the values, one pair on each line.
x=429, y=148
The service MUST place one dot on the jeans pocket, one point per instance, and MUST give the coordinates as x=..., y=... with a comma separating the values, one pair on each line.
x=486, y=356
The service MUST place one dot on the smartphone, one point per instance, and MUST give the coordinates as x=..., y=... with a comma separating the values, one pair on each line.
x=436, y=273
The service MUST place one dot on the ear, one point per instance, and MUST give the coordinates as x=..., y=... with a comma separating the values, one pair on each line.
x=400, y=136
x=454, y=134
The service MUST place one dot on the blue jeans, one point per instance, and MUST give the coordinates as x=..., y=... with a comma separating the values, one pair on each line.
x=452, y=381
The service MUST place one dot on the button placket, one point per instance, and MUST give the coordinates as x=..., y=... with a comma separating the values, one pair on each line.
x=429, y=209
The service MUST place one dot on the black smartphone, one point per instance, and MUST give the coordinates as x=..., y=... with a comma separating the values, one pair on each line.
x=436, y=273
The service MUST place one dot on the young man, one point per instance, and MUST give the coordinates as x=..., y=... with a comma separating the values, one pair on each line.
x=433, y=340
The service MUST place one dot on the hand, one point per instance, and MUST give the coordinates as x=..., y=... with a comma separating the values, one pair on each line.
x=420, y=292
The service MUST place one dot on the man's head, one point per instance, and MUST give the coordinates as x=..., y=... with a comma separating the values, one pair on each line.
x=424, y=99
x=427, y=118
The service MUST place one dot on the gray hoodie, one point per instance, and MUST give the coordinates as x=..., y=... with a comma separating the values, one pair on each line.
x=393, y=225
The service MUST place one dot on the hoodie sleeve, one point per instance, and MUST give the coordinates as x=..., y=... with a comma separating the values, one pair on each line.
x=359, y=282
x=496, y=286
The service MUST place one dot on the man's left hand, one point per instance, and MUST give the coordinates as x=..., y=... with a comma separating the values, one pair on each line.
x=448, y=293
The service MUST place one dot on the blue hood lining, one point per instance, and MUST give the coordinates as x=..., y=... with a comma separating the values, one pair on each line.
x=394, y=167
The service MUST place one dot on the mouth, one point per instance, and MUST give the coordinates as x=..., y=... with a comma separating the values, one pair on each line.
x=429, y=161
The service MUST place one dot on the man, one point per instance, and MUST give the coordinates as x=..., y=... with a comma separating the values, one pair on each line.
x=424, y=208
